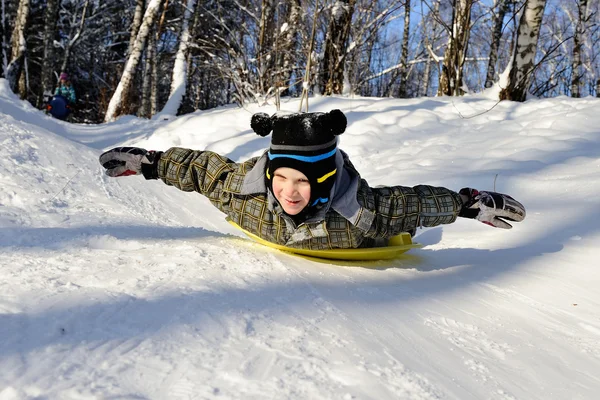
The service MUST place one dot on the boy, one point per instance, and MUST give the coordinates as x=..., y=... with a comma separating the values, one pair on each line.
x=304, y=192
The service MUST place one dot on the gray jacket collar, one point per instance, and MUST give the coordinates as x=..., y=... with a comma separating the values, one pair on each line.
x=344, y=192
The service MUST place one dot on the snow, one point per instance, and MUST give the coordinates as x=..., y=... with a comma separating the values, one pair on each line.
x=124, y=288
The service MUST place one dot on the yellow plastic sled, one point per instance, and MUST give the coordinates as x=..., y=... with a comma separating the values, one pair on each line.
x=397, y=245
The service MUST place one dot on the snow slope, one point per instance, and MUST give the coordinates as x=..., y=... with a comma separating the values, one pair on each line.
x=127, y=289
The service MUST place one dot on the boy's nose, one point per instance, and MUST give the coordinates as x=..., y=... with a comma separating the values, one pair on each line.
x=289, y=190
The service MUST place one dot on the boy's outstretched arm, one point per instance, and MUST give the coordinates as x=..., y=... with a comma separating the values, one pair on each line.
x=205, y=172
x=402, y=209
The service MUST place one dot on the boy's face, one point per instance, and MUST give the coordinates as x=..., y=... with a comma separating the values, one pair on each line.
x=292, y=189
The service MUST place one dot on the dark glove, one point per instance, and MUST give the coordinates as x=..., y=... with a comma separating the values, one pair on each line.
x=491, y=208
x=125, y=161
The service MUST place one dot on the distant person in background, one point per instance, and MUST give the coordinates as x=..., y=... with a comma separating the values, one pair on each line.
x=65, y=89
x=62, y=103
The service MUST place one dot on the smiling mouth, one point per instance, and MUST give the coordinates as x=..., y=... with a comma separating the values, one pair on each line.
x=292, y=203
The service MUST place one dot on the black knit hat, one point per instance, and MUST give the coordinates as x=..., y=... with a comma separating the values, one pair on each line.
x=306, y=142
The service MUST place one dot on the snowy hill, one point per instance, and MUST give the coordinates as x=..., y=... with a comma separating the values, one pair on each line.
x=123, y=288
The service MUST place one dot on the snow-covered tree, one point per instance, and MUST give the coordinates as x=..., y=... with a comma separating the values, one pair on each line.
x=266, y=56
x=14, y=70
x=48, y=62
x=288, y=42
x=451, y=78
x=117, y=101
x=363, y=57
x=578, y=41
x=404, y=51
x=431, y=35
x=500, y=9
x=4, y=40
x=75, y=32
x=336, y=42
x=148, y=103
x=138, y=15
x=179, y=79
x=592, y=63
x=249, y=50
x=522, y=65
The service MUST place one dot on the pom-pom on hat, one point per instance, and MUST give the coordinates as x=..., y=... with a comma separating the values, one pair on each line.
x=306, y=142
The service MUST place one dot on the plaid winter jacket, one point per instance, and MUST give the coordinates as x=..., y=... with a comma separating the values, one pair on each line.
x=358, y=215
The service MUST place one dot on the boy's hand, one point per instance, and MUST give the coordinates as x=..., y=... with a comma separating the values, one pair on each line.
x=491, y=208
x=125, y=161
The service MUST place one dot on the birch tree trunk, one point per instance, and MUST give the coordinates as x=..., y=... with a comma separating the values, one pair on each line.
x=336, y=41
x=179, y=79
x=48, y=79
x=19, y=49
x=522, y=65
x=136, y=23
x=144, y=110
x=189, y=102
x=404, y=54
x=116, y=102
x=427, y=73
x=265, y=44
x=289, y=42
x=3, y=43
x=154, y=76
x=578, y=40
x=451, y=78
x=496, y=36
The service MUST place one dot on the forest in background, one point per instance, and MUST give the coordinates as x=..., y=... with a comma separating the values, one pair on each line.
x=145, y=57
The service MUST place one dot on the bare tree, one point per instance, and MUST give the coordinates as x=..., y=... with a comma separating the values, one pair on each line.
x=145, y=107
x=136, y=23
x=48, y=79
x=4, y=44
x=75, y=34
x=451, y=78
x=502, y=7
x=336, y=41
x=266, y=36
x=593, y=43
x=179, y=79
x=578, y=41
x=428, y=42
x=235, y=45
x=404, y=53
x=364, y=47
x=522, y=65
x=19, y=50
x=117, y=102
x=153, y=74
x=288, y=42
x=309, y=62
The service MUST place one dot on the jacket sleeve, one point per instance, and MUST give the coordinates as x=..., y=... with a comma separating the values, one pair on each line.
x=402, y=209
x=205, y=172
